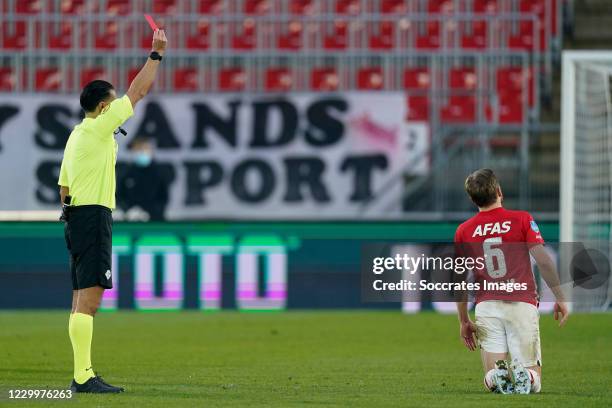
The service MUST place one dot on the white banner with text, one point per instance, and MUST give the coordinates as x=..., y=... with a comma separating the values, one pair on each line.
x=298, y=156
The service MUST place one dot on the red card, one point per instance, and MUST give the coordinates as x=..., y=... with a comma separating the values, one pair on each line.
x=151, y=22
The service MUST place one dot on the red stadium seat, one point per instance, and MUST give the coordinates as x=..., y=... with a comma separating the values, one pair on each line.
x=528, y=38
x=463, y=79
x=210, y=6
x=440, y=6
x=486, y=6
x=507, y=111
x=29, y=6
x=383, y=37
x=292, y=38
x=48, y=79
x=474, y=34
x=338, y=38
x=91, y=74
x=417, y=79
x=348, y=7
x=72, y=7
x=118, y=7
x=7, y=79
x=106, y=35
x=511, y=83
x=510, y=111
x=199, y=38
x=14, y=35
x=60, y=35
x=418, y=107
x=524, y=37
x=461, y=106
x=428, y=36
x=301, y=7
x=393, y=6
x=232, y=79
x=460, y=109
x=278, y=79
x=370, y=78
x=165, y=6
x=537, y=7
x=324, y=79
x=186, y=79
x=257, y=7
x=245, y=38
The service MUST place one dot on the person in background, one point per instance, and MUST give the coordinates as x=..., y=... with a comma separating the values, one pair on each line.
x=143, y=191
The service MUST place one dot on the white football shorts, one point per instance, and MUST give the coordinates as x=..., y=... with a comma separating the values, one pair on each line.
x=510, y=327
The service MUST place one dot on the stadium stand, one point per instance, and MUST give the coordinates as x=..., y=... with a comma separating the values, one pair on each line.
x=483, y=63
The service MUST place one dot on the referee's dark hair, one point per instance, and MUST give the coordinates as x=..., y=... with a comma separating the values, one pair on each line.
x=94, y=93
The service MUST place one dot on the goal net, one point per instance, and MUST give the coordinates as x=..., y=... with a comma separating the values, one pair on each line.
x=586, y=170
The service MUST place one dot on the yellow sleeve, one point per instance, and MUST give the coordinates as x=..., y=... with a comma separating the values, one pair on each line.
x=114, y=116
x=63, y=177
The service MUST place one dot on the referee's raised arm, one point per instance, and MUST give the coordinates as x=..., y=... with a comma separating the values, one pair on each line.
x=144, y=79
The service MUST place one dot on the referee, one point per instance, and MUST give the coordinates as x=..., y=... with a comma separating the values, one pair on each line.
x=87, y=190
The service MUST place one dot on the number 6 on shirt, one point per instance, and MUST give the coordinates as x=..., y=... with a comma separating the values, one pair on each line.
x=494, y=256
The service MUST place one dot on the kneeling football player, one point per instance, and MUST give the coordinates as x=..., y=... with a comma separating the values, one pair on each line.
x=507, y=320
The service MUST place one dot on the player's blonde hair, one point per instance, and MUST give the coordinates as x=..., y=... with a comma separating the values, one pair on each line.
x=482, y=186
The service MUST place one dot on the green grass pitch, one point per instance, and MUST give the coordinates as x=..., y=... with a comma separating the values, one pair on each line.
x=349, y=358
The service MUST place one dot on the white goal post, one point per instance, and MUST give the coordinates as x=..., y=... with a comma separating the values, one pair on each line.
x=586, y=163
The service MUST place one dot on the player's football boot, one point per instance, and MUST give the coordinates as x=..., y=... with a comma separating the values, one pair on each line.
x=521, y=377
x=94, y=385
x=501, y=378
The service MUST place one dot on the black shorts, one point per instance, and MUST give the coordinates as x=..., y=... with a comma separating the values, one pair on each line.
x=88, y=232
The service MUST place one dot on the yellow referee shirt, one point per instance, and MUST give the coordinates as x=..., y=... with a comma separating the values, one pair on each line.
x=88, y=167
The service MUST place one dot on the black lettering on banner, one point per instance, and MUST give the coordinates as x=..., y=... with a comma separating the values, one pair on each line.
x=47, y=174
x=324, y=129
x=363, y=167
x=206, y=118
x=54, y=122
x=200, y=176
x=155, y=126
x=304, y=173
x=7, y=112
x=239, y=181
x=261, y=123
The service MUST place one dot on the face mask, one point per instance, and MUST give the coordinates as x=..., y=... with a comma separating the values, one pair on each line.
x=143, y=159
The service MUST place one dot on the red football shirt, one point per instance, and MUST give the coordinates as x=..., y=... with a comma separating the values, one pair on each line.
x=503, y=237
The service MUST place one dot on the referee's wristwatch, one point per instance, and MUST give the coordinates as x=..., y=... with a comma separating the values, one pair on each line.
x=155, y=56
